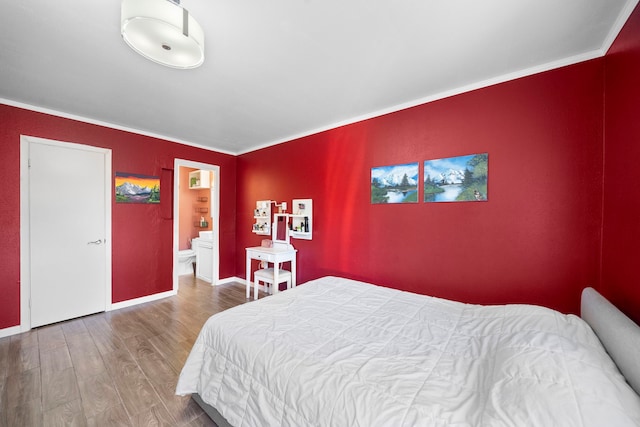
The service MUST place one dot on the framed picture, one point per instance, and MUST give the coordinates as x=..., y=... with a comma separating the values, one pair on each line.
x=457, y=179
x=134, y=188
x=394, y=184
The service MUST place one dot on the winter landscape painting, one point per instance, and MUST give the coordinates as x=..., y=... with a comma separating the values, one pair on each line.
x=134, y=188
x=456, y=179
x=395, y=184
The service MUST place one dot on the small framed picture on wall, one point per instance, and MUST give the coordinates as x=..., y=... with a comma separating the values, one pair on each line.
x=394, y=184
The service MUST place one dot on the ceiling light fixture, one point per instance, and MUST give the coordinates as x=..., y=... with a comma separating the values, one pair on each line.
x=162, y=31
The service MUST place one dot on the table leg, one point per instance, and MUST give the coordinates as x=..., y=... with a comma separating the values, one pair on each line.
x=248, y=276
x=276, y=283
x=293, y=272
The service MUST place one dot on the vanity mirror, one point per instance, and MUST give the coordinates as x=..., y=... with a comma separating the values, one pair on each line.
x=280, y=229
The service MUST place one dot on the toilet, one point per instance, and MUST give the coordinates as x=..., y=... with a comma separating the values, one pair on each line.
x=186, y=258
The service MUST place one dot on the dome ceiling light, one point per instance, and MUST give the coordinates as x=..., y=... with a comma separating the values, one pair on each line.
x=163, y=31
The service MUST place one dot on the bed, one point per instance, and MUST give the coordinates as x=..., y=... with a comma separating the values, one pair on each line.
x=338, y=352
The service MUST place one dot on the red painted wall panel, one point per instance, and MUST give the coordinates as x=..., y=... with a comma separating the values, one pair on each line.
x=621, y=224
x=537, y=238
x=142, y=234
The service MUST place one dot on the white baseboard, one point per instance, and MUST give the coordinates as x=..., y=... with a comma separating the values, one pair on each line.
x=230, y=280
x=141, y=300
x=13, y=330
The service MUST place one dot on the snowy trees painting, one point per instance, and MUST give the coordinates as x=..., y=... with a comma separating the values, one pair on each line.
x=452, y=179
x=456, y=179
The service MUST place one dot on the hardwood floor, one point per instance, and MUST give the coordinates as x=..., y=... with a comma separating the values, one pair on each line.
x=116, y=368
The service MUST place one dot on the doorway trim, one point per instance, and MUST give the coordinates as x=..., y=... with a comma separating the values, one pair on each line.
x=25, y=236
x=215, y=215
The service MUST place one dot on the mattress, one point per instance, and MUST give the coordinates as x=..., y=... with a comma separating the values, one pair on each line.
x=337, y=352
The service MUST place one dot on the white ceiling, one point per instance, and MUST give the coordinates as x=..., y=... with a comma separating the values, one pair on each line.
x=279, y=69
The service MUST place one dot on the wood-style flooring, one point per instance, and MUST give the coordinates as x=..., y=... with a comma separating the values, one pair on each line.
x=116, y=368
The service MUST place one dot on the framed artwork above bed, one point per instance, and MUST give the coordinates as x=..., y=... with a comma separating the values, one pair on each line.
x=457, y=179
x=394, y=184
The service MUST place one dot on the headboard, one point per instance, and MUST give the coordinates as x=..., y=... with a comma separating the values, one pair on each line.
x=619, y=334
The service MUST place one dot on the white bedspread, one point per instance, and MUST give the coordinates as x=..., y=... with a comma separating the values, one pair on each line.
x=336, y=352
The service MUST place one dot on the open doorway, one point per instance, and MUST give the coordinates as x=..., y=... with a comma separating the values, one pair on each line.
x=196, y=220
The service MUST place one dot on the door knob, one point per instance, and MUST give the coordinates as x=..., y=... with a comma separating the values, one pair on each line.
x=95, y=242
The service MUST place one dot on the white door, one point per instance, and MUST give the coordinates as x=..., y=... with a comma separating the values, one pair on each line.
x=67, y=231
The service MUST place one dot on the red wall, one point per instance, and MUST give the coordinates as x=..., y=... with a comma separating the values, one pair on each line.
x=142, y=234
x=536, y=240
x=621, y=225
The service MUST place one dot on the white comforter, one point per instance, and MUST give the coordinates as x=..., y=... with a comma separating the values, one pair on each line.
x=335, y=352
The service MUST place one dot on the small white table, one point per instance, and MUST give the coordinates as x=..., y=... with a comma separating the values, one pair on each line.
x=275, y=255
